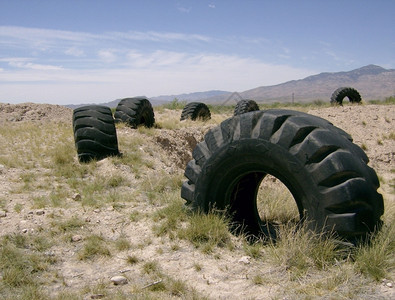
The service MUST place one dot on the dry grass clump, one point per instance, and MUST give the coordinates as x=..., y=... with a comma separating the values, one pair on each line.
x=21, y=270
x=207, y=231
x=94, y=245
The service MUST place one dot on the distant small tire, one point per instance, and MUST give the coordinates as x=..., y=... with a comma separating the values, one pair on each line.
x=245, y=106
x=343, y=92
x=94, y=133
x=327, y=174
x=195, y=111
x=136, y=111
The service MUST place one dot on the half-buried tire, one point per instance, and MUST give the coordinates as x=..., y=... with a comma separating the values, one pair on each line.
x=343, y=92
x=94, y=133
x=245, y=106
x=136, y=111
x=326, y=173
x=195, y=111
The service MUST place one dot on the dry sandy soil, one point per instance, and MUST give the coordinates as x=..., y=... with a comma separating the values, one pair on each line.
x=223, y=275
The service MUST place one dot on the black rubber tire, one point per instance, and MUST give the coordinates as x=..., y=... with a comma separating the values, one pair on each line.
x=245, y=106
x=326, y=173
x=94, y=133
x=343, y=92
x=195, y=111
x=136, y=111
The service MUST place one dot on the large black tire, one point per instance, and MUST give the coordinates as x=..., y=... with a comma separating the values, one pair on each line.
x=94, y=133
x=343, y=92
x=326, y=173
x=135, y=112
x=195, y=111
x=245, y=106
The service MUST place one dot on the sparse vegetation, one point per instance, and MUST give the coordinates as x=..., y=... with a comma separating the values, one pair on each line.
x=132, y=259
x=207, y=231
x=386, y=101
x=74, y=226
x=94, y=245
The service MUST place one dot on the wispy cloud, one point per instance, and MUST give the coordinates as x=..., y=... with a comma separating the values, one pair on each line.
x=34, y=66
x=74, y=51
x=33, y=37
x=151, y=74
x=155, y=36
x=25, y=63
x=107, y=56
x=338, y=58
x=184, y=9
x=100, y=67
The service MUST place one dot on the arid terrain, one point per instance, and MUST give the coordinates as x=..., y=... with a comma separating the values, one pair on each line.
x=56, y=211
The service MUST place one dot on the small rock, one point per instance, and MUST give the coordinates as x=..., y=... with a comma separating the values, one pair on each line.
x=96, y=210
x=77, y=197
x=389, y=284
x=3, y=214
x=49, y=253
x=119, y=280
x=40, y=212
x=97, y=296
x=111, y=208
x=76, y=238
x=24, y=230
x=245, y=260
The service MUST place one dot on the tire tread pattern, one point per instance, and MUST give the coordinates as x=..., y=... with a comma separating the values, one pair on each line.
x=94, y=133
x=195, y=111
x=342, y=92
x=244, y=106
x=135, y=112
x=348, y=197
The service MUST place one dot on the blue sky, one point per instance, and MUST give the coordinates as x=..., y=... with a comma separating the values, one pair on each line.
x=66, y=52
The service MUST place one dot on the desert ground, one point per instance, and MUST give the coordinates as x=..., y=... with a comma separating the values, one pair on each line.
x=52, y=209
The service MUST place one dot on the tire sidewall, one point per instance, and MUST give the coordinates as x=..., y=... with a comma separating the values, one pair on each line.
x=223, y=169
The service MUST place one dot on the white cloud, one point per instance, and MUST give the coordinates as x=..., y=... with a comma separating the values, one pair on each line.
x=107, y=56
x=74, y=51
x=211, y=5
x=184, y=9
x=112, y=65
x=24, y=63
x=40, y=34
x=150, y=74
x=35, y=66
x=155, y=36
x=73, y=43
x=156, y=59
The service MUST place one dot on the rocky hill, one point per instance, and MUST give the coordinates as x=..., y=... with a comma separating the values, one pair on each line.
x=372, y=82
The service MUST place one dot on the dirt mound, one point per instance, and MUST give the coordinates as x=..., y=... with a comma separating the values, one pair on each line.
x=34, y=112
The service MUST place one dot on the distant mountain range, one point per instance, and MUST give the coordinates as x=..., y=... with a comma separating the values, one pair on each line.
x=373, y=83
